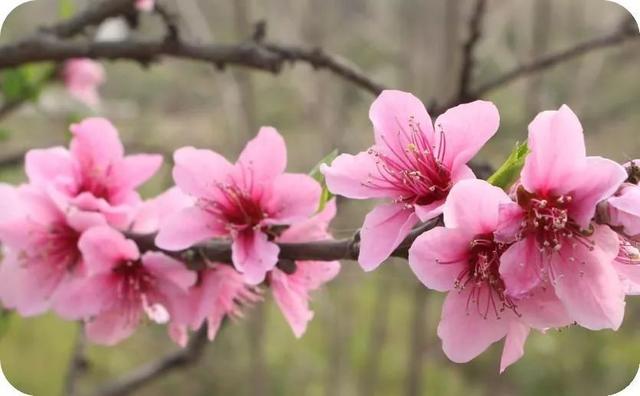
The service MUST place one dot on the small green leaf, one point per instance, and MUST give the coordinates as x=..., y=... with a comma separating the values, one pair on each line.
x=66, y=8
x=509, y=171
x=326, y=195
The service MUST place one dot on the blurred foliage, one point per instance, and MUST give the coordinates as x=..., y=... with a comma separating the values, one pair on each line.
x=362, y=334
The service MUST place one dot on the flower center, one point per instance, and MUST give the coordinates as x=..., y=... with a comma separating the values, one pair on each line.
x=236, y=206
x=482, y=277
x=134, y=286
x=548, y=219
x=58, y=248
x=416, y=169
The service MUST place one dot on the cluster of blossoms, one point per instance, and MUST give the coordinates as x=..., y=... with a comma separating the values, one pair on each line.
x=68, y=245
x=558, y=248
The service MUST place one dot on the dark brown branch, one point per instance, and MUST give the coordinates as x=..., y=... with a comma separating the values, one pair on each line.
x=93, y=15
x=318, y=59
x=136, y=379
x=468, y=48
x=265, y=57
x=627, y=32
x=329, y=250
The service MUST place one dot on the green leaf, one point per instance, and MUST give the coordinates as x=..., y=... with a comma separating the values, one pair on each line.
x=326, y=195
x=25, y=82
x=509, y=171
x=66, y=9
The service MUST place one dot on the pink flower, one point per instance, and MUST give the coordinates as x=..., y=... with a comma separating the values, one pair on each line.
x=94, y=175
x=219, y=293
x=40, y=248
x=152, y=211
x=82, y=77
x=241, y=201
x=464, y=260
x=409, y=163
x=120, y=285
x=556, y=240
x=145, y=5
x=623, y=209
x=291, y=291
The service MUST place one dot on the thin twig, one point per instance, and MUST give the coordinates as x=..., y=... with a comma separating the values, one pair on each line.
x=626, y=33
x=77, y=363
x=468, y=49
x=136, y=379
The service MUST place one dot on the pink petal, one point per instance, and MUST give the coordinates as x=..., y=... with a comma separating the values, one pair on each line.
x=510, y=217
x=384, y=228
x=113, y=326
x=27, y=289
x=104, y=247
x=541, y=309
x=464, y=332
x=624, y=210
x=466, y=128
x=293, y=197
x=43, y=166
x=438, y=256
x=313, y=228
x=430, y=211
x=95, y=145
x=265, y=156
x=188, y=227
x=253, y=255
x=395, y=116
x=351, y=176
x=293, y=303
x=629, y=277
x=133, y=171
x=199, y=172
x=170, y=269
x=148, y=218
x=513, y=344
x=83, y=298
x=520, y=267
x=557, y=154
x=478, y=215
x=589, y=286
x=601, y=178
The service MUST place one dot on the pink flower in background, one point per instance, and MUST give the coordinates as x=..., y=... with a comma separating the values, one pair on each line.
x=82, y=77
x=145, y=5
x=94, y=175
x=240, y=201
x=220, y=292
x=556, y=241
x=40, y=248
x=623, y=208
x=464, y=259
x=291, y=291
x=121, y=285
x=410, y=163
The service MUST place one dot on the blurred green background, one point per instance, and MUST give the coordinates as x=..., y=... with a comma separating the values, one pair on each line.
x=374, y=333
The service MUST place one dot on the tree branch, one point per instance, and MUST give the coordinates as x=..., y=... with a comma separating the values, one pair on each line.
x=329, y=250
x=625, y=33
x=176, y=360
x=77, y=362
x=468, y=56
x=95, y=14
